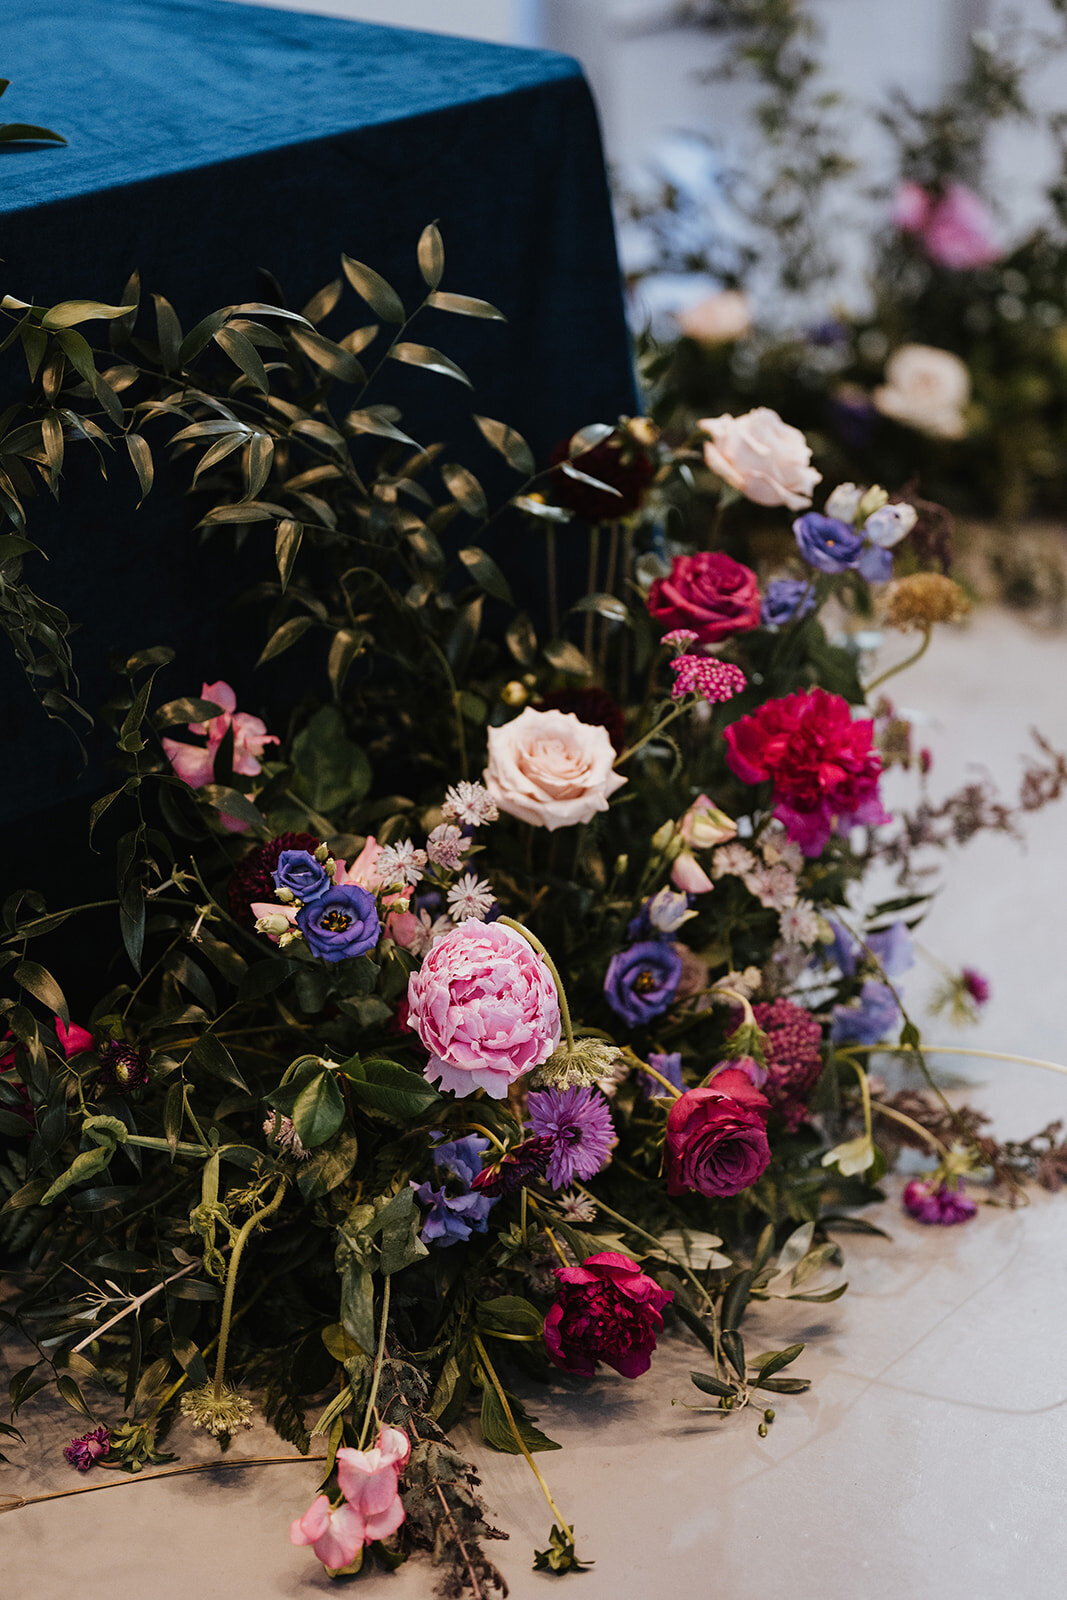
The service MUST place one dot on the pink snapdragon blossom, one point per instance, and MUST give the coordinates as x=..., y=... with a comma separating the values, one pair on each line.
x=955, y=228
x=484, y=1005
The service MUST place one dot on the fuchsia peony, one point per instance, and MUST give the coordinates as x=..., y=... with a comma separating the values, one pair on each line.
x=709, y=594
x=822, y=763
x=955, y=228
x=607, y=1310
x=716, y=1138
x=551, y=769
x=485, y=1006
x=371, y=1508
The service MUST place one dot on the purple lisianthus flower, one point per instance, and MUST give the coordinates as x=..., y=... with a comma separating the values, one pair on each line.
x=340, y=924
x=669, y=1065
x=827, y=543
x=875, y=564
x=893, y=947
x=786, y=600
x=453, y=1209
x=642, y=980
x=935, y=1202
x=85, y=1452
x=869, y=1020
x=578, y=1121
x=299, y=872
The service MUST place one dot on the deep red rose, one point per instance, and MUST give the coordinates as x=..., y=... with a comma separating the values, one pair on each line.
x=716, y=1139
x=607, y=1310
x=709, y=592
x=620, y=461
x=823, y=765
x=594, y=706
x=252, y=878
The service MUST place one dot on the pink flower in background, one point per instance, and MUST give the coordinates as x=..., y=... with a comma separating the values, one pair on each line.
x=365, y=870
x=485, y=1006
x=74, y=1039
x=195, y=764
x=607, y=1310
x=954, y=228
x=976, y=985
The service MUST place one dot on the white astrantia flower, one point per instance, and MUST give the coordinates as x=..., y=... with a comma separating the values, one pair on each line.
x=471, y=804
x=400, y=863
x=576, y=1208
x=470, y=896
x=667, y=910
x=446, y=845
x=843, y=503
x=800, y=924
x=777, y=847
x=746, y=982
x=774, y=887
x=732, y=861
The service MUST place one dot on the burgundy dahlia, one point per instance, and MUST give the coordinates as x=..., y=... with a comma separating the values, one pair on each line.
x=607, y=1310
x=122, y=1067
x=523, y=1161
x=593, y=706
x=620, y=461
x=252, y=878
x=793, y=1056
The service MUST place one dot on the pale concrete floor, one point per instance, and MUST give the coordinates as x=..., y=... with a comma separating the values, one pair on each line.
x=928, y=1458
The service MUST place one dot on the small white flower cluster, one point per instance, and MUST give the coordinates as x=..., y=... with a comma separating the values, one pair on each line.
x=772, y=880
x=401, y=866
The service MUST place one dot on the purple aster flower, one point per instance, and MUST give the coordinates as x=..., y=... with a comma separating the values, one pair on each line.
x=668, y=1065
x=453, y=1210
x=868, y=1020
x=85, y=1452
x=935, y=1202
x=523, y=1161
x=976, y=985
x=785, y=599
x=642, y=980
x=341, y=923
x=875, y=564
x=301, y=874
x=826, y=543
x=578, y=1121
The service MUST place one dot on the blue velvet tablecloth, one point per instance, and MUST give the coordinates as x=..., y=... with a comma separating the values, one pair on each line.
x=207, y=140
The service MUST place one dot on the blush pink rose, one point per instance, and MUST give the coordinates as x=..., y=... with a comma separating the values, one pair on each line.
x=549, y=768
x=607, y=1310
x=716, y=1138
x=761, y=457
x=709, y=593
x=485, y=1006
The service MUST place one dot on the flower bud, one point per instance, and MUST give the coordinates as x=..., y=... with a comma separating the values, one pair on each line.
x=286, y=896
x=844, y=502
x=274, y=923
x=322, y=853
x=874, y=499
x=514, y=693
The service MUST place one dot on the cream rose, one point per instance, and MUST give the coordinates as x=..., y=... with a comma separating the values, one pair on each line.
x=762, y=457
x=719, y=319
x=548, y=768
x=927, y=389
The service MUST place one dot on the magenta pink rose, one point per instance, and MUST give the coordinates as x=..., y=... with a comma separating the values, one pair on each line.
x=716, y=1138
x=710, y=593
x=607, y=1310
x=485, y=1006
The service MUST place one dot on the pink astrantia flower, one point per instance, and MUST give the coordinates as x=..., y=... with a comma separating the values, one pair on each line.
x=931, y=1201
x=714, y=681
x=607, y=1310
x=485, y=1006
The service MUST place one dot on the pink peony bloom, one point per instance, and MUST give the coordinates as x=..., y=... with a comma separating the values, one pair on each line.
x=551, y=769
x=607, y=1310
x=335, y=1533
x=716, y=1139
x=485, y=1006
x=954, y=228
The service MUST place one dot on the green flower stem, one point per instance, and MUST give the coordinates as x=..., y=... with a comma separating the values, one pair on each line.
x=590, y=587
x=865, y=1091
x=490, y=1373
x=909, y=661
x=651, y=734
x=916, y=1127
x=963, y=1050
x=379, y=1362
x=134, y=1305
x=632, y=1227
x=254, y=1221
x=145, y=1141
x=564, y=1008
x=16, y=1502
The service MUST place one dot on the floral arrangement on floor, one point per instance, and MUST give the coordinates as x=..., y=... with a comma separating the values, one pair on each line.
x=508, y=997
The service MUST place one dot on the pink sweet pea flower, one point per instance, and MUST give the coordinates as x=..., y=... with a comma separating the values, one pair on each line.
x=368, y=1480
x=687, y=874
x=364, y=869
x=335, y=1533
x=195, y=764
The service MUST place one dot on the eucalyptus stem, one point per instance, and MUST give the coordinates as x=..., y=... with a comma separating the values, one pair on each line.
x=564, y=1008
x=490, y=1373
x=254, y=1221
x=379, y=1362
x=909, y=661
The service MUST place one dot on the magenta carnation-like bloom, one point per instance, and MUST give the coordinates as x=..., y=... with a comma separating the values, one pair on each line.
x=485, y=1006
x=709, y=593
x=716, y=1138
x=607, y=1310
x=578, y=1121
x=976, y=984
x=933, y=1202
x=714, y=681
x=822, y=763
x=793, y=1056
x=85, y=1452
